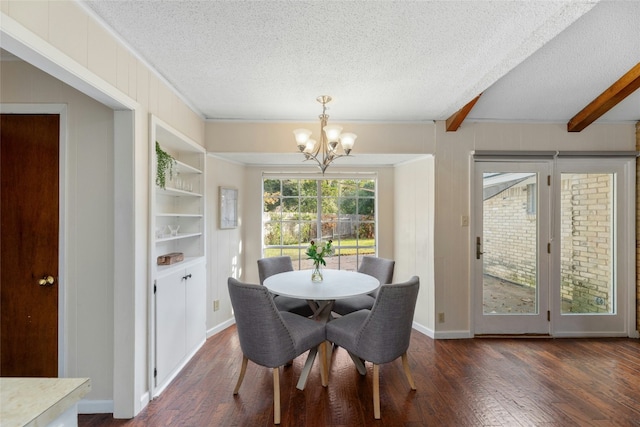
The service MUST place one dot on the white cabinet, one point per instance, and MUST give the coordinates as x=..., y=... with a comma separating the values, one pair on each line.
x=178, y=291
x=180, y=320
x=196, y=315
x=171, y=325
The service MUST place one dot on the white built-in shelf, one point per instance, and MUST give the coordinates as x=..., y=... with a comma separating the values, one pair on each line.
x=184, y=168
x=178, y=215
x=168, y=191
x=178, y=237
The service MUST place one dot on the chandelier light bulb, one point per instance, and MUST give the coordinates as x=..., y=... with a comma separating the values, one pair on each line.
x=332, y=132
x=309, y=146
x=302, y=136
x=348, y=140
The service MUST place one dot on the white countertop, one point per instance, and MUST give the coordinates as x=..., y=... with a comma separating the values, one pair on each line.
x=36, y=402
x=337, y=284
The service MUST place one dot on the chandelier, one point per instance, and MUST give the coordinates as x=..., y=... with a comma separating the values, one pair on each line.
x=326, y=151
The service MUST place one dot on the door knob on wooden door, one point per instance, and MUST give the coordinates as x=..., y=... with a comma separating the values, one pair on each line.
x=46, y=281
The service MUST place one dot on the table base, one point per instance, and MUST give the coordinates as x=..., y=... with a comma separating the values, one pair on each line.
x=322, y=313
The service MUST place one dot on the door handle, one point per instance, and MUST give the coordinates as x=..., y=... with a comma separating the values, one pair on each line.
x=478, y=247
x=46, y=281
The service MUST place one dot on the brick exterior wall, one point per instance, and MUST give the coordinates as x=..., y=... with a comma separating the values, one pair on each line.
x=510, y=251
x=586, y=240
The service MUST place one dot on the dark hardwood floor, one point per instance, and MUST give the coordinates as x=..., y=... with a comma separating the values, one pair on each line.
x=472, y=382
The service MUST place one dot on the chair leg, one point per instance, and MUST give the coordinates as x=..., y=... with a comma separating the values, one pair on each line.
x=324, y=365
x=276, y=396
x=407, y=371
x=376, y=391
x=243, y=370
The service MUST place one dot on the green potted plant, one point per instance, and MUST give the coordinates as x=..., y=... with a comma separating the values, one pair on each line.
x=164, y=165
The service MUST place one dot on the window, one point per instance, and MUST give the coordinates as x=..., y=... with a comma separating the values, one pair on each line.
x=296, y=211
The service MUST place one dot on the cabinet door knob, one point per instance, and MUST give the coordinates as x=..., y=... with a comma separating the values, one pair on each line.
x=188, y=276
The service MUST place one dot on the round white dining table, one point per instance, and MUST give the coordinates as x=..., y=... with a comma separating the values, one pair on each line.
x=337, y=284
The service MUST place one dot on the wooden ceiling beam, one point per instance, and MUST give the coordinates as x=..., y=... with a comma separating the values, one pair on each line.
x=608, y=99
x=456, y=119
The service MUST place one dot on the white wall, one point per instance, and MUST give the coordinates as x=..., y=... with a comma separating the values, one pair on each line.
x=225, y=248
x=88, y=224
x=413, y=201
x=373, y=138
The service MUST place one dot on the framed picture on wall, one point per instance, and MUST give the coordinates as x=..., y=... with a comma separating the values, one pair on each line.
x=228, y=207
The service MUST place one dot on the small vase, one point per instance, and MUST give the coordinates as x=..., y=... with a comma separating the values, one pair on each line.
x=316, y=274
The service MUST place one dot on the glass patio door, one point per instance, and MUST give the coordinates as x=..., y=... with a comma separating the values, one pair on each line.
x=594, y=230
x=511, y=256
x=553, y=247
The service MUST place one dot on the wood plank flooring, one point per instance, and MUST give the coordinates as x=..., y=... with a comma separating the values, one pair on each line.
x=471, y=382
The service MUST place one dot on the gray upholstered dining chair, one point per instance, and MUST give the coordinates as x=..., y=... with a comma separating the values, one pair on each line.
x=280, y=264
x=382, y=334
x=381, y=269
x=271, y=338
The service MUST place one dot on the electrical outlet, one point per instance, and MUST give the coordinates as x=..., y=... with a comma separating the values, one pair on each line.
x=216, y=305
x=464, y=221
x=440, y=317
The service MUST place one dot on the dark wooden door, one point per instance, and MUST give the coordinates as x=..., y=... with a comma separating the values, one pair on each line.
x=29, y=151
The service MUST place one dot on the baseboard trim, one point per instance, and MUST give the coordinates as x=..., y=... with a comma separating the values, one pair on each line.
x=422, y=329
x=445, y=335
x=220, y=327
x=525, y=336
x=144, y=401
x=95, y=406
x=453, y=335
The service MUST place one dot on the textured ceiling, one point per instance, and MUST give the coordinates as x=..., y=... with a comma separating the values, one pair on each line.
x=571, y=70
x=385, y=61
